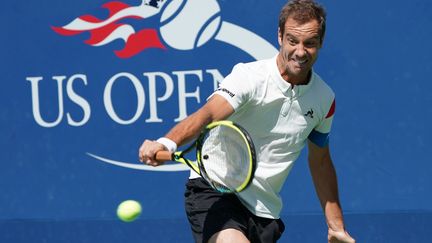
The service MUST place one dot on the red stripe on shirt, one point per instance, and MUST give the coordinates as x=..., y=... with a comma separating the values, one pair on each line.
x=332, y=109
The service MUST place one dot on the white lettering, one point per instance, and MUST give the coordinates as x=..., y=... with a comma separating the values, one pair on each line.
x=78, y=100
x=152, y=93
x=34, y=81
x=217, y=77
x=108, y=99
x=182, y=94
x=161, y=87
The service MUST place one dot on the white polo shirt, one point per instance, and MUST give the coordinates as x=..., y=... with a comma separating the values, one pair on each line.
x=279, y=117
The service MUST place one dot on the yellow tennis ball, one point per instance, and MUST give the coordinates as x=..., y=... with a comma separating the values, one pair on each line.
x=128, y=210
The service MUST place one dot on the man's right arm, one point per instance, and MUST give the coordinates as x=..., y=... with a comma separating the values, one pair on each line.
x=216, y=108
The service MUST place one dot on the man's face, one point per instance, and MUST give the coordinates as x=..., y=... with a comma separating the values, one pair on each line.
x=300, y=44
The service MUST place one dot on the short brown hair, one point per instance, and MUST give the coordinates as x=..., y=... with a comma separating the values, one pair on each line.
x=303, y=11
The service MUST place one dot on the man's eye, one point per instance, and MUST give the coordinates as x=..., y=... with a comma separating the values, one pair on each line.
x=313, y=43
x=291, y=41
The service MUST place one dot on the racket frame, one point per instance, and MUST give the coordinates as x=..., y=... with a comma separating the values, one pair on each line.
x=198, y=165
x=250, y=150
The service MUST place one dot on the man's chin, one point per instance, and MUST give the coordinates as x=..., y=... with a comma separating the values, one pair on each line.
x=298, y=73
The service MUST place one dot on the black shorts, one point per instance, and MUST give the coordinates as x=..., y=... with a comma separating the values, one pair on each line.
x=209, y=212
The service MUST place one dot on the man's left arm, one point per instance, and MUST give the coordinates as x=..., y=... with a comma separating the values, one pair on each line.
x=325, y=181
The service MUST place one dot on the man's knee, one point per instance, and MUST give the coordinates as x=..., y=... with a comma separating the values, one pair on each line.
x=229, y=236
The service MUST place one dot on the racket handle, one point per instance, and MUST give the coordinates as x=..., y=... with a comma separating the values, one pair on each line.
x=164, y=156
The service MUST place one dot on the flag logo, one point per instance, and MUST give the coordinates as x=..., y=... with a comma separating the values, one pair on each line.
x=183, y=25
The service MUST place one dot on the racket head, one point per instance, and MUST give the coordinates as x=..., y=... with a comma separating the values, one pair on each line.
x=226, y=156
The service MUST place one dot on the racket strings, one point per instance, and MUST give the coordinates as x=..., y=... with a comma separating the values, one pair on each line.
x=225, y=157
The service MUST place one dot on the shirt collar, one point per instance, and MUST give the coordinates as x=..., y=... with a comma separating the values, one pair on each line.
x=287, y=88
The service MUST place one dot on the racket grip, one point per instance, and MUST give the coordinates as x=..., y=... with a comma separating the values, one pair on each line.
x=164, y=156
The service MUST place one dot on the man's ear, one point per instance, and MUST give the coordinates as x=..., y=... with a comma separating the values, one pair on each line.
x=279, y=37
x=321, y=44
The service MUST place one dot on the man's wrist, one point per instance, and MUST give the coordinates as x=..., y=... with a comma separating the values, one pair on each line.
x=168, y=143
x=336, y=224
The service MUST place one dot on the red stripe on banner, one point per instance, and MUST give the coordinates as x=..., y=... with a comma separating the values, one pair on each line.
x=90, y=18
x=62, y=31
x=98, y=35
x=144, y=39
x=115, y=7
x=332, y=109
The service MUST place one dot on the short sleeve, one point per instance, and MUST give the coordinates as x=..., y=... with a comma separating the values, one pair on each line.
x=320, y=134
x=236, y=88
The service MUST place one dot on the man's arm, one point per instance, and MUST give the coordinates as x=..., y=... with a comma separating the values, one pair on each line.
x=325, y=181
x=216, y=108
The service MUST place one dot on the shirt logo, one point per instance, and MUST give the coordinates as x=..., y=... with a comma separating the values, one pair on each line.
x=309, y=113
x=231, y=94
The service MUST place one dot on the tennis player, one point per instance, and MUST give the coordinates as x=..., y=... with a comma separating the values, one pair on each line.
x=284, y=105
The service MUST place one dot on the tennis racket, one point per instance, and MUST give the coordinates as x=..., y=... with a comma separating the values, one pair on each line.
x=225, y=156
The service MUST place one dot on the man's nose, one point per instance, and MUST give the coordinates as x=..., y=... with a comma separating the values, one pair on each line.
x=300, y=51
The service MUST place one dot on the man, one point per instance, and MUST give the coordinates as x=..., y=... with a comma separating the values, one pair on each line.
x=283, y=104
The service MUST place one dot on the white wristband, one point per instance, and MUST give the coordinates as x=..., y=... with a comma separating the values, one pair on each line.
x=168, y=143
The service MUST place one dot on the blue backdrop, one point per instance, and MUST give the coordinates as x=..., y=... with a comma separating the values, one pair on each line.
x=75, y=109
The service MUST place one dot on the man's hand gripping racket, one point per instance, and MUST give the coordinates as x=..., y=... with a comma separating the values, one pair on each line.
x=225, y=156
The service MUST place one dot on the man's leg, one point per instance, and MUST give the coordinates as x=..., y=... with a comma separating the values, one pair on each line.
x=212, y=215
x=229, y=236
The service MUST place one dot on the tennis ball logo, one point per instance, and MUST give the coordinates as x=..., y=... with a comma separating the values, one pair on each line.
x=187, y=24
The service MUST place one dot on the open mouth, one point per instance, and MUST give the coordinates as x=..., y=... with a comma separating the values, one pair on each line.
x=300, y=63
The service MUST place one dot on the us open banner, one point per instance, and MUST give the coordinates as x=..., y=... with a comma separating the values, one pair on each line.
x=87, y=82
x=133, y=98
x=83, y=83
